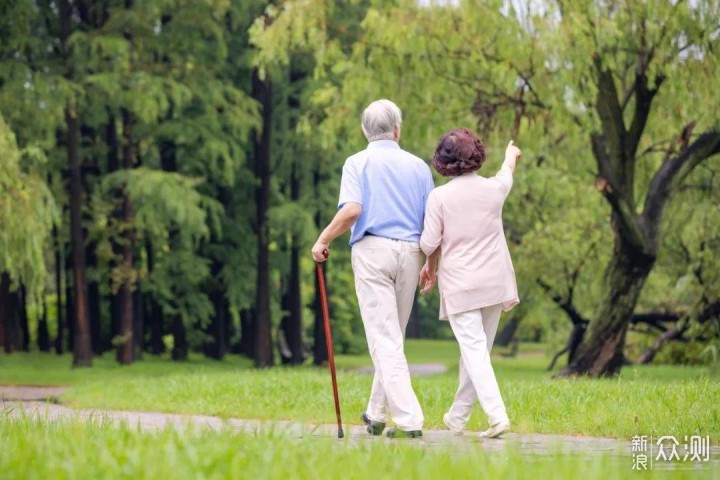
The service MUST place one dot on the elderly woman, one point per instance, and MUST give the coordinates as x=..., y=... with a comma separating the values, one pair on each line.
x=463, y=220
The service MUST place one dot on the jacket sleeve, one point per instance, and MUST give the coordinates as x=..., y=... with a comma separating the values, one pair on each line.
x=433, y=225
x=504, y=179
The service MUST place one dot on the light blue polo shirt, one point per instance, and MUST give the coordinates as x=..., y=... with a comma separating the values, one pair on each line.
x=392, y=186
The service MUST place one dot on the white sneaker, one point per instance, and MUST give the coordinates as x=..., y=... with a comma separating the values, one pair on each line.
x=450, y=426
x=497, y=430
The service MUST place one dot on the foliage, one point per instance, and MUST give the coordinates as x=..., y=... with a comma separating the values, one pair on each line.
x=182, y=71
x=27, y=212
x=528, y=74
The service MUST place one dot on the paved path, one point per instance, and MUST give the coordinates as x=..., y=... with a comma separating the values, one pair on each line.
x=33, y=401
x=29, y=400
x=529, y=443
x=30, y=392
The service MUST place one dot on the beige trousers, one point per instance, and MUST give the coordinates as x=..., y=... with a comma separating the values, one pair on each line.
x=475, y=332
x=386, y=275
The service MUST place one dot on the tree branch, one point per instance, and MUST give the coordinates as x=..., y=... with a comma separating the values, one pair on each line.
x=565, y=304
x=643, y=102
x=650, y=352
x=615, y=167
x=627, y=222
x=672, y=173
x=654, y=317
x=710, y=312
x=611, y=116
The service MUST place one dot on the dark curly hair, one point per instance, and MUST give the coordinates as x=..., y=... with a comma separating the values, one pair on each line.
x=458, y=151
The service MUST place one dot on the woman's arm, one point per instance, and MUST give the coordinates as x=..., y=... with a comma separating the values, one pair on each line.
x=505, y=176
x=428, y=272
x=430, y=241
x=432, y=225
x=512, y=155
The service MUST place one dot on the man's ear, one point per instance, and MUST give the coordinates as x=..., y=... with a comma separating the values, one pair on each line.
x=396, y=133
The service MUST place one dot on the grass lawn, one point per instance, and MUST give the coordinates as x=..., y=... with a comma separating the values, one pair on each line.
x=70, y=450
x=662, y=400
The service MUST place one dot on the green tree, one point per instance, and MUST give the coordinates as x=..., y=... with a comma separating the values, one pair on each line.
x=547, y=76
x=27, y=211
x=628, y=65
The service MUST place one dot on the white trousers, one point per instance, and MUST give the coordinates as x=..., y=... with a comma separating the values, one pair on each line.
x=475, y=332
x=386, y=275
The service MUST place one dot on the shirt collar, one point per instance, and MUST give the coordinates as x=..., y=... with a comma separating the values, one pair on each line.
x=466, y=175
x=383, y=144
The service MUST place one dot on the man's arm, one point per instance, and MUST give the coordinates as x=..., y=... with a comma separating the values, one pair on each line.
x=341, y=223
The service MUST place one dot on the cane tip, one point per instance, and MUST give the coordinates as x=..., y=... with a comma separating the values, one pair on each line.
x=341, y=434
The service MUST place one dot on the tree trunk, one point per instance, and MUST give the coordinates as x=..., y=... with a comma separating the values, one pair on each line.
x=138, y=324
x=154, y=312
x=574, y=340
x=113, y=300
x=125, y=297
x=69, y=308
x=157, y=346
x=94, y=308
x=60, y=335
x=230, y=329
x=600, y=353
x=505, y=336
x=217, y=347
x=413, y=327
x=24, y=324
x=247, y=333
x=90, y=172
x=294, y=330
x=577, y=335
x=10, y=330
x=262, y=92
x=320, y=353
x=180, y=346
x=82, y=352
x=43, y=335
x=113, y=165
x=222, y=334
x=125, y=346
x=283, y=333
x=295, y=323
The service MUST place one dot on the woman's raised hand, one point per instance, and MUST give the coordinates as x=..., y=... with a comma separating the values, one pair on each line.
x=512, y=155
x=512, y=151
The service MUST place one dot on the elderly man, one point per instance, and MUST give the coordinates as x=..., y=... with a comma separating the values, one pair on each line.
x=382, y=197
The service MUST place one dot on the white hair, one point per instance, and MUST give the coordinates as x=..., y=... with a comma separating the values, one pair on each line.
x=380, y=119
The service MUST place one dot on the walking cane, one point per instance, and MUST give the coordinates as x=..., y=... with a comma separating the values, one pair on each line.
x=328, y=339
